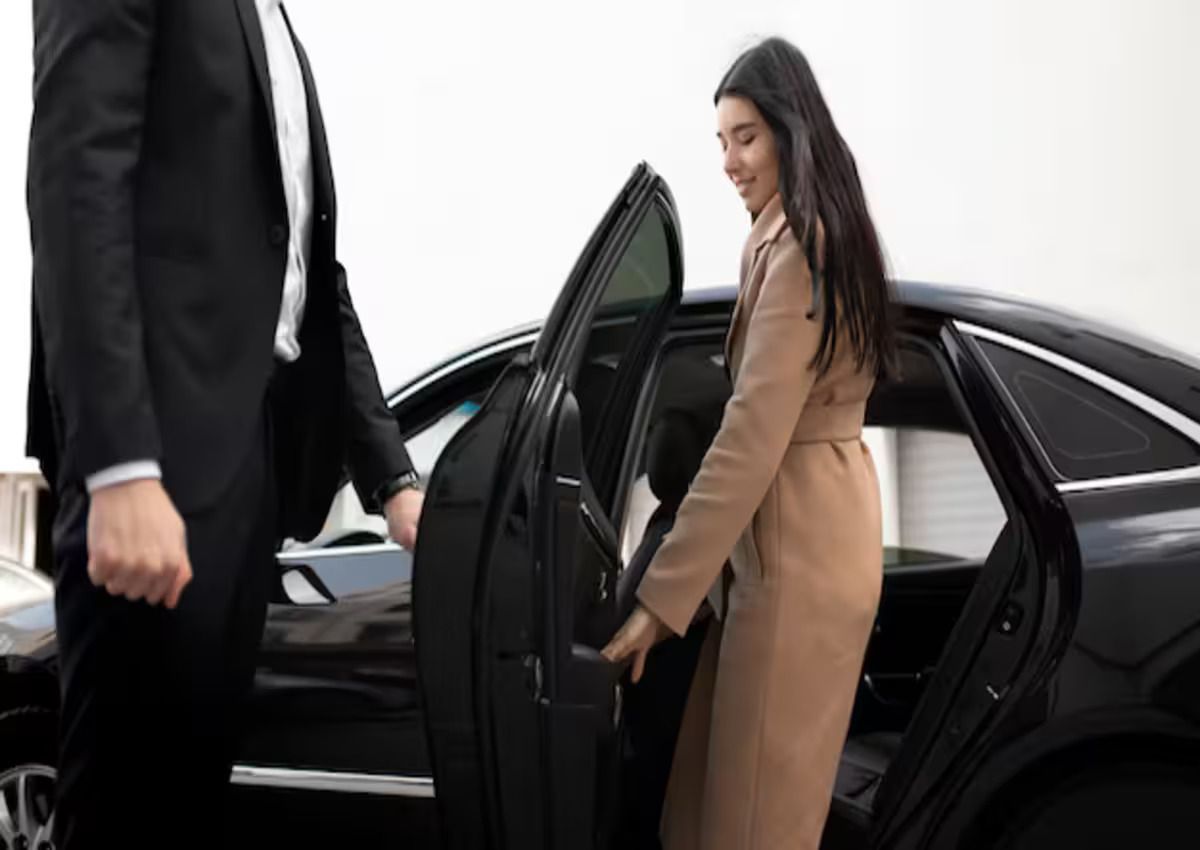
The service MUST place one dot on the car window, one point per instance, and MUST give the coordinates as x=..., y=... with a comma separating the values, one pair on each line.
x=1085, y=431
x=426, y=446
x=348, y=524
x=636, y=292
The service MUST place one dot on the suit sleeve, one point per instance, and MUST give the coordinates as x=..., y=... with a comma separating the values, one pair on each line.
x=92, y=65
x=773, y=383
x=376, y=451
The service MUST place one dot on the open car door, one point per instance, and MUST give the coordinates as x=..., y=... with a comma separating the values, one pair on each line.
x=518, y=557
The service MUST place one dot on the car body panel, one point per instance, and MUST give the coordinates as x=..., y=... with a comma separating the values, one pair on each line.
x=1114, y=616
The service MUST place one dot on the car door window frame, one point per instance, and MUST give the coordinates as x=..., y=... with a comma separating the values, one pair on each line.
x=616, y=441
x=1044, y=577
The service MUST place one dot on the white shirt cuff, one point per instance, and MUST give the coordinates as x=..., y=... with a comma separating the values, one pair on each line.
x=122, y=472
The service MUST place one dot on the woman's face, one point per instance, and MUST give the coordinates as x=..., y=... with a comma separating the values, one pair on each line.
x=751, y=160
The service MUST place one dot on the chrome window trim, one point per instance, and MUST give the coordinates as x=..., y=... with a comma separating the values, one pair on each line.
x=1136, y=479
x=305, y=556
x=420, y=787
x=1154, y=408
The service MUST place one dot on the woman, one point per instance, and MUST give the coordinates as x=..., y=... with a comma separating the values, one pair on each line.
x=787, y=490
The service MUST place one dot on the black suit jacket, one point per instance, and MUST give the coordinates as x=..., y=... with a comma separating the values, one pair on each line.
x=159, y=228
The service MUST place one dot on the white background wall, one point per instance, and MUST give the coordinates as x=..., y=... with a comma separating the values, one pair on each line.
x=1045, y=148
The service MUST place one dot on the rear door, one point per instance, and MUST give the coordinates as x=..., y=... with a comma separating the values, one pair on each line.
x=1014, y=623
x=517, y=561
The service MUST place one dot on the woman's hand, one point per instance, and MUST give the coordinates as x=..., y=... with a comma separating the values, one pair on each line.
x=636, y=638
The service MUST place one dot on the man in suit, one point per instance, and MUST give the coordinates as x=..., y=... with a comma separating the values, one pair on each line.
x=199, y=380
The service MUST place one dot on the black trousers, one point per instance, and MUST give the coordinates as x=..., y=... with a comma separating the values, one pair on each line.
x=152, y=699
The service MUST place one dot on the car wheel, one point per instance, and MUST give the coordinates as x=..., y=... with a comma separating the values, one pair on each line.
x=27, y=778
x=1122, y=805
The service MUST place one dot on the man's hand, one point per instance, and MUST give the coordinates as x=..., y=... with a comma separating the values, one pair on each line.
x=403, y=513
x=137, y=544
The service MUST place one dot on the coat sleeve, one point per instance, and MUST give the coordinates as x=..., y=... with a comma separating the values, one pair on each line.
x=92, y=64
x=772, y=386
x=376, y=450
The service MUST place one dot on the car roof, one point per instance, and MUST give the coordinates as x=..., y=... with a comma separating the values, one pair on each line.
x=1160, y=371
x=1164, y=373
x=1005, y=313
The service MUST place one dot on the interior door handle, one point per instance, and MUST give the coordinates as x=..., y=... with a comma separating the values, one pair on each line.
x=894, y=688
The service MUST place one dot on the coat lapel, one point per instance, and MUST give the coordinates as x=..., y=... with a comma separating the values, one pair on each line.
x=766, y=229
x=325, y=207
x=735, y=320
x=252, y=30
x=326, y=202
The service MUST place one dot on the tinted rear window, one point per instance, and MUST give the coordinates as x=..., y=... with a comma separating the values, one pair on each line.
x=1085, y=431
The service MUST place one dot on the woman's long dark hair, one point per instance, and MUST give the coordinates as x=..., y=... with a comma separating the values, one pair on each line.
x=820, y=187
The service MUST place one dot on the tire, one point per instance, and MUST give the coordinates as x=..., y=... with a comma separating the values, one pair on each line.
x=1117, y=806
x=28, y=747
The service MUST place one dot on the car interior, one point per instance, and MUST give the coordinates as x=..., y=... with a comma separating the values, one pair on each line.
x=925, y=589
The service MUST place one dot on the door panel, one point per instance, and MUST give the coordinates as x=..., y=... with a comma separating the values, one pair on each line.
x=517, y=561
x=448, y=594
x=1002, y=641
x=956, y=684
x=336, y=682
x=579, y=694
x=918, y=609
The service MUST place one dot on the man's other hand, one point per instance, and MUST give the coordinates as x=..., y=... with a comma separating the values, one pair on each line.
x=137, y=543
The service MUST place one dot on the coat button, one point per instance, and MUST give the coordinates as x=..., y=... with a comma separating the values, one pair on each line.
x=279, y=235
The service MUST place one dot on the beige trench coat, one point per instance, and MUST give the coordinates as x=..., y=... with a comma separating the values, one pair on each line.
x=788, y=493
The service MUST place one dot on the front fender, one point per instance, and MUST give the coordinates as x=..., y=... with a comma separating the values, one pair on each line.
x=25, y=682
x=29, y=631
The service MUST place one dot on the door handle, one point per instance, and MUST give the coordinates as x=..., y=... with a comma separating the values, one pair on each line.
x=894, y=688
x=302, y=586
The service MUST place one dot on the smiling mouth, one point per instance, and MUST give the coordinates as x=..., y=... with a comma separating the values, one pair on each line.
x=742, y=185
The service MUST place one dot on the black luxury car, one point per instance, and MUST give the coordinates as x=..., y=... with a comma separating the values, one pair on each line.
x=1034, y=676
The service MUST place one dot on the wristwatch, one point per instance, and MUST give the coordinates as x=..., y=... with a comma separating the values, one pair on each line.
x=407, y=481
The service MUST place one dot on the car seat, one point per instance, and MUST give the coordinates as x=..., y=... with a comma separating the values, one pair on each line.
x=654, y=707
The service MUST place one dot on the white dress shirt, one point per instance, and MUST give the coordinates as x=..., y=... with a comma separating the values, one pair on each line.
x=295, y=160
